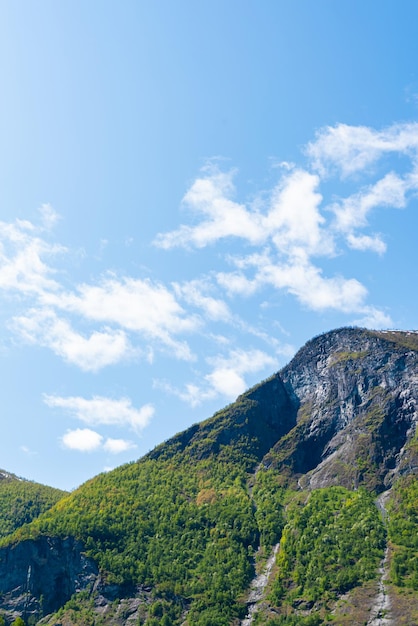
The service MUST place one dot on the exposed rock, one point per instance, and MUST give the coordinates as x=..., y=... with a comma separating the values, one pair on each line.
x=357, y=394
x=39, y=576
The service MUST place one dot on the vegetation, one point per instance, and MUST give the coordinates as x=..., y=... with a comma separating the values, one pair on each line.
x=402, y=530
x=21, y=501
x=332, y=542
x=343, y=356
x=187, y=531
x=408, y=340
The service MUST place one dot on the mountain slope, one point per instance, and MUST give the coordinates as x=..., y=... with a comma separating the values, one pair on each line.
x=21, y=501
x=176, y=537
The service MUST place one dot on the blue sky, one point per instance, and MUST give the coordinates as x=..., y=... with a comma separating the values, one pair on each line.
x=189, y=192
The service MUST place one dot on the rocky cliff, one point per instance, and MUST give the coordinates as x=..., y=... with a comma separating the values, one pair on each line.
x=40, y=576
x=356, y=393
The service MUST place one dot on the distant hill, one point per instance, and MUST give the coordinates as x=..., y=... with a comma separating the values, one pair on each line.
x=22, y=500
x=296, y=504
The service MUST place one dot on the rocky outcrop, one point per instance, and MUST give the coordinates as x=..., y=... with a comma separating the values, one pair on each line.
x=38, y=576
x=357, y=394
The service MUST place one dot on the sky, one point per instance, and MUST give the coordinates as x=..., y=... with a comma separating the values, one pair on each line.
x=189, y=191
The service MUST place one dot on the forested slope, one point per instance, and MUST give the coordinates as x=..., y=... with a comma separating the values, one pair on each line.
x=178, y=536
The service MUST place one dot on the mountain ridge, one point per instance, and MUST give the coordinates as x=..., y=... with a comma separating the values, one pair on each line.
x=172, y=538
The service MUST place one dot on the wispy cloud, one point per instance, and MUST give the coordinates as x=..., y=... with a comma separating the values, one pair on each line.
x=120, y=310
x=117, y=446
x=142, y=308
x=226, y=378
x=196, y=293
x=103, y=411
x=350, y=149
x=291, y=228
x=292, y=217
x=211, y=197
x=90, y=353
x=22, y=266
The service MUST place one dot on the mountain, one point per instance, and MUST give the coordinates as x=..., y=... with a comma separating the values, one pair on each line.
x=296, y=504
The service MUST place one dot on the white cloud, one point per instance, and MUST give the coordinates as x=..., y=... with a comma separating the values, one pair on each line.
x=366, y=242
x=100, y=410
x=237, y=283
x=281, y=239
x=354, y=148
x=291, y=230
x=227, y=378
x=195, y=294
x=374, y=318
x=299, y=277
x=352, y=212
x=290, y=218
x=124, y=307
x=137, y=306
x=82, y=439
x=116, y=446
x=100, y=348
x=87, y=440
x=305, y=281
x=22, y=268
x=294, y=218
x=210, y=196
x=49, y=216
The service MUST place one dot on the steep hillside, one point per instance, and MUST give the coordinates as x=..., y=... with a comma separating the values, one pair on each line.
x=183, y=535
x=21, y=501
x=356, y=393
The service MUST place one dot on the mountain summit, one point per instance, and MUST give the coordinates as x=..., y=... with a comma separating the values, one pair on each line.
x=314, y=467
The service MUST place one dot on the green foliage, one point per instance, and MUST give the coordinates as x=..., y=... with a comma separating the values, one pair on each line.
x=18, y=622
x=342, y=357
x=21, y=501
x=402, y=530
x=408, y=340
x=268, y=498
x=332, y=543
x=186, y=529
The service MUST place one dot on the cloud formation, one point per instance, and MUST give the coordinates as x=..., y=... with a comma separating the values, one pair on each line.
x=87, y=440
x=82, y=439
x=23, y=269
x=351, y=149
x=226, y=378
x=90, y=353
x=103, y=411
x=291, y=230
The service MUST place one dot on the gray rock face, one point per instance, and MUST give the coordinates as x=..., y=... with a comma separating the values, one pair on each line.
x=40, y=576
x=357, y=395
